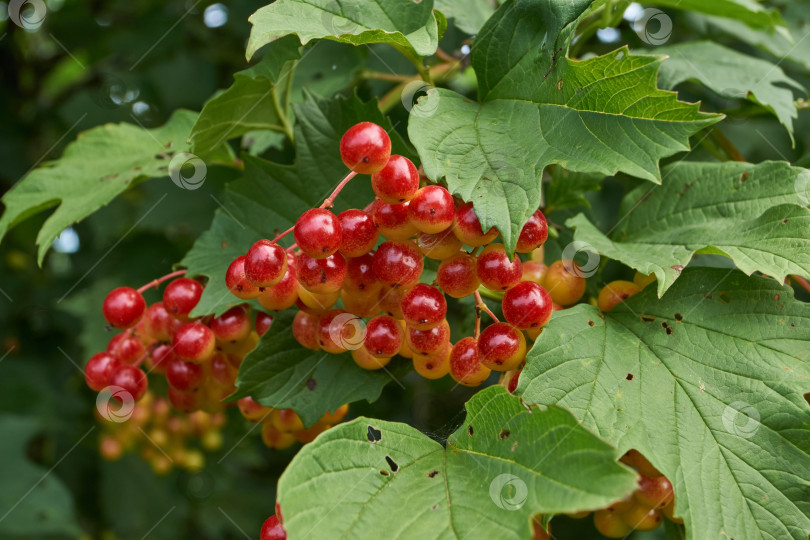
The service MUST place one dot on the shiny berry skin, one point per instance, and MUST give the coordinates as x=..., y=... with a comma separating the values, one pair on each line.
x=286, y=420
x=263, y=322
x=123, y=307
x=465, y=366
x=398, y=263
x=534, y=271
x=321, y=276
x=236, y=281
x=194, y=342
x=366, y=360
x=252, y=410
x=432, y=209
x=392, y=220
x=654, y=492
x=265, y=263
x=641, y=518
x=99, y=370
x=512, y=386
x=501, y=347
x=526, y=305
x=221, y=371
x=467, y=227
x=424, y=307
x=160, y=358
x=361, y=303
x=457, y=276
x=439, y=246
x=314, y=302
x=158, y=323
x=434, y=365
x=339, y=331
x=131, y=379
x=272, y=530
x=495, y=270
x=365, y=148
x=233, y=325
x=428, y=341
x=615, y=293
x=383, y=336
x=126, y=348
x=180, y=297
x=359, y=234
x=184, y=376
x=397, y=182
x=318, y=233
x=565, y=282
x=283, y=294
x=360, y=274
x=533, y=234
x=610, y=524
x=390, y=300
x=305, y=330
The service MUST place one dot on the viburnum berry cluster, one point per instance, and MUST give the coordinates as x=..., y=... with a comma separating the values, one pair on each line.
x=281, y=428
x=368, y=265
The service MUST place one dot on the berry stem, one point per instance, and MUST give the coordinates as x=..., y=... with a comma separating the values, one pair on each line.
x=158, y=281
x=803, y=282
x=480, y=305
x=282, y=235
x=331, y=199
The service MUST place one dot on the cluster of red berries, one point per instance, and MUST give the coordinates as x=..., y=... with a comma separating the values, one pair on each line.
x=337, y=258
x=162, y=436
x=281, y=428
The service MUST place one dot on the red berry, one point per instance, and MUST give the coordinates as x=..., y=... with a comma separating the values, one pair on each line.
x=424, y=307
x=305, y=330
x=283, y=294
x=457, y=276
x=390, y=299
x=159, y=324
x=533, y=234
x=398, y=263
x=360, y=274
x=126, y=348
x=252, y=410
x=131, y=379
x=365, y=148
x=184, y=376
x=465, y=366
x=513, y=381
x=383, y=336
x=392, y=220
x=467, y=227
x=160, y=358
x=123, y=307
x=181, y=295
x=194, y=342
x=221, y=370
x=397, y=182
x=339, y=330
x=526, y=305
x=495, y=270
x=237, y=283
x=616, y=292
x=185, y=402
x=263, y=322
x=361, y=303
x=318, y=233
x=434, y=365
x=654, y=492
x=99, y=369
x=265, y=263
x=359, y=234
x=233, y=325
x=428, y=341
x=438, y=246
x=501, y=347
x=565, y=282
x=432, y=209
x=534, y=271
x=321, y=276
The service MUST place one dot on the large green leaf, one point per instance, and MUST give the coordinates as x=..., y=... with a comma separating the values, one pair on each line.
x=410, y=25
x=102, y=163
x=280, y=373
x=34, y=503
x=732, y=75
x=707, y=383
x=539, y=107
x=372, y=478
x=469, y=15
x=751, y=12
x=252, y=102
x=271, y=196
x=754, y=214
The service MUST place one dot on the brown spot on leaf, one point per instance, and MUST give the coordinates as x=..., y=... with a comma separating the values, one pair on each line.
x=629, y=377
x=503, y=434
x=311, y=384
x=433, y=473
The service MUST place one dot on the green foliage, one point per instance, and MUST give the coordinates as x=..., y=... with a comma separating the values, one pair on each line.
x=706, y=382
x=503, y=464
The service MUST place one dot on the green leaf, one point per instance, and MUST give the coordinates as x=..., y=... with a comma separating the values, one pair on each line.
x=732, y=75
x=754, y=214
x=250, y=103
x=600, y=115
x=271, y=196
x=34, y=503
x=409, y=25
x=279, y=373
x=505, y=463
x=99, y=165
x=567, y=189
x=469, y=15
x=751, y=12
x=707, y=383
